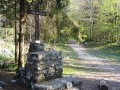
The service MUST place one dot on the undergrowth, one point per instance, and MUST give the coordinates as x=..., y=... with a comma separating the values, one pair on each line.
x=7, y=64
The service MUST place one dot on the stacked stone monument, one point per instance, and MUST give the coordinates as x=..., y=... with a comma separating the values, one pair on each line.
x=43, y=70
x=41, y=65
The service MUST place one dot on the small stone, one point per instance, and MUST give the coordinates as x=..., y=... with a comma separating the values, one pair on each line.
x=0, y=87
x=13, y=81
x=113, y=88
x=67, y=84
x=75, y=89
x=43, y=87
x=74, y=80
x=58, y=86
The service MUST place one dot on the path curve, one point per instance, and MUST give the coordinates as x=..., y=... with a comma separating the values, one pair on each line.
x=98, y=68
x=81, y=51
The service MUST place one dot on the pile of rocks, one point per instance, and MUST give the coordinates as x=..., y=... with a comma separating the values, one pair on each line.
x=44, y=65
x=65, y=83
x=41, y=64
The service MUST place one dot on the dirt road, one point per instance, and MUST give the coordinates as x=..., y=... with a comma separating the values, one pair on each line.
x=98, y=68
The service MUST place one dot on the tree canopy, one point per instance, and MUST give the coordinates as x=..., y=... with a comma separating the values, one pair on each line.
x=93, y=20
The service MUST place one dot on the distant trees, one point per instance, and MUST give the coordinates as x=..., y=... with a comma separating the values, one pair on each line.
x=91, y=20
x=100, y=19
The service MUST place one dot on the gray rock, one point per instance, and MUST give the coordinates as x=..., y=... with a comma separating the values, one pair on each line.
x=2, y=84
x=67, y=84
x=59, y=84
x=0, y=87
x=43, y=87
x=74, y=80
x=13, y=81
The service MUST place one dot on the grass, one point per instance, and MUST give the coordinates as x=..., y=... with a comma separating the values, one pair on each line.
x=9, y=67
x=66, y=51
x=8, y=64
x=71, y=64
x=74, y=70
x=110, y=52
x=4, y=58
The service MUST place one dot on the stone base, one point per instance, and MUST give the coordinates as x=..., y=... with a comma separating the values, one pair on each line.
x=64, y=83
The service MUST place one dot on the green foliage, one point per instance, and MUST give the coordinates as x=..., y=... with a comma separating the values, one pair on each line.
x=92, y=20
x=3, y=58
x=7, y=63
x=8, y=11
x=109, y=52
x=7, y=34
x=29, y=1
x=99, y=19
x=58, y=26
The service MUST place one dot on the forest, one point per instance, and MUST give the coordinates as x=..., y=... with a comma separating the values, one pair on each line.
x=82, y=20
x=92, y=25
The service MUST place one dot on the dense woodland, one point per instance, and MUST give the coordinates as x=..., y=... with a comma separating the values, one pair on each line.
x=83, y=20
x=92, y=21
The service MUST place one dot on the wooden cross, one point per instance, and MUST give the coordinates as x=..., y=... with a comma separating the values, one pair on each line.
x=37, y=12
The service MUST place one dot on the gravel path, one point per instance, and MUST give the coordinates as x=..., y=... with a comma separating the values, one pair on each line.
x=98, y=68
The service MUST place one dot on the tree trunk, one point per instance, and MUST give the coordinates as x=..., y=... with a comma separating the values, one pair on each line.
x=17, y=51
x=16, y=41
x=21, y=37
x=57, y=27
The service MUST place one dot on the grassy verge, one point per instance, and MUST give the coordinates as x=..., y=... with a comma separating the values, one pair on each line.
x=6, y=54
x=66, y=51
x=72, y=66
x=110, y=52
x=6, y=64
x=74, y=69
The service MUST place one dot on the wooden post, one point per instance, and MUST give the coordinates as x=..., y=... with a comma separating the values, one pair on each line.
x=37, y=31
x=16, y=41
x=37, y=13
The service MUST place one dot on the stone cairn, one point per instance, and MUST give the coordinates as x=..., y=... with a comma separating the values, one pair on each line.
x=42, y=68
